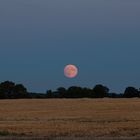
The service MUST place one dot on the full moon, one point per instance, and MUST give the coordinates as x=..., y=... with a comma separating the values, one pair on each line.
x=70, y=71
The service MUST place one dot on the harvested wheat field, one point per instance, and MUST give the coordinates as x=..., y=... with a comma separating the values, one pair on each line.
x=70, y=118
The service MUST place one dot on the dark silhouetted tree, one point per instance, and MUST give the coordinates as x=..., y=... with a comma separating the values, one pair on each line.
x=131, y=92
x=87, y=92
x=50, y=94
x=20, y=91
x=74, y=92
x=61, y=92
x=7, y=89
x=100, y=91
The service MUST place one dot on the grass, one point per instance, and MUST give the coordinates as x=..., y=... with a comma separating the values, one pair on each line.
x=70, y=118
x=7, y=133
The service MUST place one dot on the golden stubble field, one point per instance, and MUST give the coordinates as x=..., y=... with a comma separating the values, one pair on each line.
x=71, y=117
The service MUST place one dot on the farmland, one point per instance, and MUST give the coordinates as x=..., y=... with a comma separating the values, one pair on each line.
x=65, y=118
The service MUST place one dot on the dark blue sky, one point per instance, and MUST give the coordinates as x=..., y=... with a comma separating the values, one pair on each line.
x=39, y=37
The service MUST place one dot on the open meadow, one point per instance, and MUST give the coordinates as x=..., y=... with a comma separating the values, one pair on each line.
x=65, y=118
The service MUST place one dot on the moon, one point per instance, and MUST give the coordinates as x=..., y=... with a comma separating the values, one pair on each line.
x=70, y=71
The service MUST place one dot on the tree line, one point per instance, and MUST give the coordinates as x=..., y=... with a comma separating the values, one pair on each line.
x=10, y=90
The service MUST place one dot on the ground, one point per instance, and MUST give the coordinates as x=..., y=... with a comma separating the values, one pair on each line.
x=70, y=119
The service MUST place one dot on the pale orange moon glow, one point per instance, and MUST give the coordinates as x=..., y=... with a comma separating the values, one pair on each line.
x=70, y=71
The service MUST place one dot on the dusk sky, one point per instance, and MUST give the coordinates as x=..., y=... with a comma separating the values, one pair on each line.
x=101, y=37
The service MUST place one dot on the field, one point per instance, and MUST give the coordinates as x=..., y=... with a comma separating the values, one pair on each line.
x=70, y=118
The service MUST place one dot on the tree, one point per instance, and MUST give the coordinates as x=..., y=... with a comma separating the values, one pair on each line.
x=20, y=91
x=49, y=94
x=7, y=89
x=75, y=92
x=2, y=95
x=87, y=92
x=61, y=92
x=131, y=92
x=100, y=91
